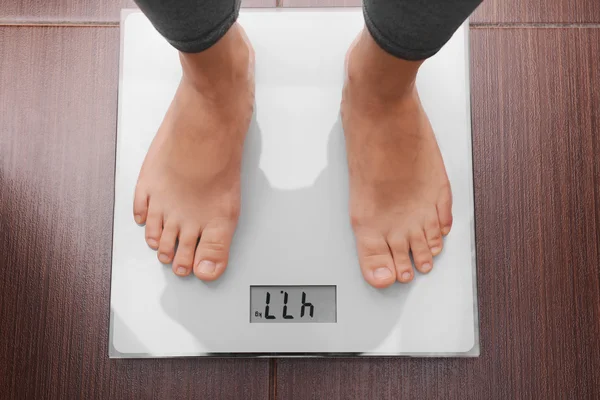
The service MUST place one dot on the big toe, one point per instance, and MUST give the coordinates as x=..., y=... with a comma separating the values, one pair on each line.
x=375, y=259
x=212, y=253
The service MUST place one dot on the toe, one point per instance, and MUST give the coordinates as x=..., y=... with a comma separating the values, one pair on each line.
x=433, y=234
x=375, y=259
x=212, y=253
x=184, y=257
x=154, y=223
x=400, y=248
x=421, y=253
x=140, y=205
x=444, y=209
x=166, y=248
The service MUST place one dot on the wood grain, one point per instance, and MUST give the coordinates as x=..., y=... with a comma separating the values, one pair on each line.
x=502, y=11
x=77, y=11
x=490, y=12
x=536, y=121
x=58, y=107
x=532, y=12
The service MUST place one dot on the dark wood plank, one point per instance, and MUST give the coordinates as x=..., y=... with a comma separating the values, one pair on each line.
x=58, y=107
x=549, y=11
x=491, y=11
x=502, y=11
x=536, y=121
x=77, y=11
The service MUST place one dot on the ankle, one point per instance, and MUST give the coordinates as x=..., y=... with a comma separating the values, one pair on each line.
x=221, y=67
x=386, y=77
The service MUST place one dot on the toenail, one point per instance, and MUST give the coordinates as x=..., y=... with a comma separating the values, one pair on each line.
x=138, y=218
x=151, y=242
x=181, y=270
x=382, y=273
x=163, y=258
x=426, y=267
x=405, y=276
x=445, y=230
x=435, y=251
x=207, y=267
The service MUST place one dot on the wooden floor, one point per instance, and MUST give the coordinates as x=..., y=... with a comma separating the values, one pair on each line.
x=536, y=127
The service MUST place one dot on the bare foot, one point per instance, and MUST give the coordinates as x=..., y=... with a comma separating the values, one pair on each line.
x=400, y=198
x=188, y=190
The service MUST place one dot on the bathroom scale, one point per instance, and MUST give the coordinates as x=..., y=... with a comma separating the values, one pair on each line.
x=293, y=286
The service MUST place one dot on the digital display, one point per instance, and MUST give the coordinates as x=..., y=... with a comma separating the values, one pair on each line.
x=292, y=304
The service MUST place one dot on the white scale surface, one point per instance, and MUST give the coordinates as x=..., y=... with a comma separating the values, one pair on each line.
x=294, y=228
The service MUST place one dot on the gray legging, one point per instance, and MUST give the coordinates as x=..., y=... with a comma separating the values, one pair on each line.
x=408, y=29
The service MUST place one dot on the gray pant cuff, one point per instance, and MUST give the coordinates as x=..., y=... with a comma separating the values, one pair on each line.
x=394, y=48
x=208, y=38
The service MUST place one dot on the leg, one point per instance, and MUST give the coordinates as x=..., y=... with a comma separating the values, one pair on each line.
x=400, y=198
x=188, y=190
